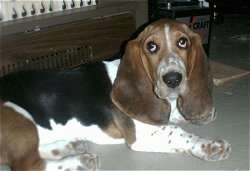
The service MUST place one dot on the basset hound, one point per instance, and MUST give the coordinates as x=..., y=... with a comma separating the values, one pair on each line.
x=162, y=79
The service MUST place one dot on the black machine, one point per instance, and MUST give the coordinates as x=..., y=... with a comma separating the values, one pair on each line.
x=196, y=13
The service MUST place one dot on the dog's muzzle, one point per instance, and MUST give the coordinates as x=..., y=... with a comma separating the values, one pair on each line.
x=171, y=74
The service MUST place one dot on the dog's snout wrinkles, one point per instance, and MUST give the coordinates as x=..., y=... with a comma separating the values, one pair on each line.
x=172, y=79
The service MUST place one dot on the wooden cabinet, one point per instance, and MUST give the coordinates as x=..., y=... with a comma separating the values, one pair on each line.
x=66, y=39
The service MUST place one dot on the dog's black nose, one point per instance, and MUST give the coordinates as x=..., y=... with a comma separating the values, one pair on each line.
x=172, y=79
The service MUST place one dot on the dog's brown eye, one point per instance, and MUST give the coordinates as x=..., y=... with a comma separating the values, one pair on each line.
x=182, y=43
x=152, y=47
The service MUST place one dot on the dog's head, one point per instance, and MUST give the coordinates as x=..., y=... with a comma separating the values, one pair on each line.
x=165, y=62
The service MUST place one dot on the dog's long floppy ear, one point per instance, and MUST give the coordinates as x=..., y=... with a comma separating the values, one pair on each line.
x=133, y=91
x=196, y=101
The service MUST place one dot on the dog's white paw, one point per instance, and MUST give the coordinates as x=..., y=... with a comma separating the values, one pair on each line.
x=211, y=150
x=81, y=162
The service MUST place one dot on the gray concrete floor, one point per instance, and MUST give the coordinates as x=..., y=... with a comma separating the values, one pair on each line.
x=230, y=41
x=230, y=44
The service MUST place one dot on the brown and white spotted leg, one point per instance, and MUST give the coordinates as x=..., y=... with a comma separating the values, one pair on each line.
x=173, y=139
x=78, y=162
x=62, y=148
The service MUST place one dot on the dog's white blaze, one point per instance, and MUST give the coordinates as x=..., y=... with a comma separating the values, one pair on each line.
x=112, y=67
x=168, y=37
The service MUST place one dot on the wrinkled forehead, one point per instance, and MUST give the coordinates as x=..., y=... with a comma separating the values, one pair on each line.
x=169, y=28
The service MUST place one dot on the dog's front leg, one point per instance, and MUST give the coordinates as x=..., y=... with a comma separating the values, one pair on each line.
x=62, y=148
x=78, y=162
x=173, y=139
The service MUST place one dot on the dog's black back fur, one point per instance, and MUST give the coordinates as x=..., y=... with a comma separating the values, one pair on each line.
x=82, y=93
